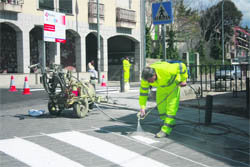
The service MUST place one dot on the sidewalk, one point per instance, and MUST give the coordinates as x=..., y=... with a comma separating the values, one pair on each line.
x=223, y=142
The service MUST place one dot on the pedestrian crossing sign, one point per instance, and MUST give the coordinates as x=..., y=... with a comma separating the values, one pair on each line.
x=162, y=13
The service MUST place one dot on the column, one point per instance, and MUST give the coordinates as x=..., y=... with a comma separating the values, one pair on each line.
x=40, y=51
x=23, y=51
x=104, y=54
x=137, y=64
x=80, y=51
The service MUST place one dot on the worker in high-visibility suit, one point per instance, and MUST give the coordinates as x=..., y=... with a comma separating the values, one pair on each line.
x=167, y=78
x=126, y=72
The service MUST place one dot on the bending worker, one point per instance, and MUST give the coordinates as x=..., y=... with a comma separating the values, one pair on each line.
x=167, y=78
x=126, y=70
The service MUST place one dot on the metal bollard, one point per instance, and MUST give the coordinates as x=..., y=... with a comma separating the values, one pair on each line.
x=209, y=108
x=122, y=85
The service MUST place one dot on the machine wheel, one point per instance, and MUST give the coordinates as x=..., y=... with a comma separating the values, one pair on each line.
x=81, y=108
x=53, y=109
x=91, y=105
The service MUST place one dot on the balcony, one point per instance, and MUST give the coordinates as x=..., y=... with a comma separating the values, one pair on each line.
x=11, y=5
x=125, y=18
x=93, y=13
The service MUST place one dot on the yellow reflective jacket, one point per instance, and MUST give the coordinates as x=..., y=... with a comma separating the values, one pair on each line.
x=167, y=74
x=126, y=65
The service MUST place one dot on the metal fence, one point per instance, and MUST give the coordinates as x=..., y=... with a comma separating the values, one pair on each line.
x=223, y=78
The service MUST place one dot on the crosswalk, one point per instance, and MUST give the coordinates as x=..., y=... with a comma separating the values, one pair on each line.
x=35, y=155
x=97, y=147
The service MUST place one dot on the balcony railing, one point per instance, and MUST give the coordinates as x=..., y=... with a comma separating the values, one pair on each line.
x=93, y=12
x=11, y=5
x=125, y=18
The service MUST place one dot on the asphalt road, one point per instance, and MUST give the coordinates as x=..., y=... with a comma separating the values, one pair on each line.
x=96, y=140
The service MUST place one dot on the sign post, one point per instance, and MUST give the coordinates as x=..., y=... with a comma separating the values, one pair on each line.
x=162, y=14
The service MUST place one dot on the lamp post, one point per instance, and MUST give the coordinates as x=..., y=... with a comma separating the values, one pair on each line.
x=98, y=43
x=222, y=31
x=143, y=33
x=163, y=32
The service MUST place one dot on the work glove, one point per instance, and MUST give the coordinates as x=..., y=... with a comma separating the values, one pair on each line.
x=141, y=114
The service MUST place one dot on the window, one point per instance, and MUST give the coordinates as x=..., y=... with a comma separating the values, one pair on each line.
x=46, y=4
x=65, y=6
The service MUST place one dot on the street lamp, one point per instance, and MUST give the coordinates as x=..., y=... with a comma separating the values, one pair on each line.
x=98, y=43
x=222, y=38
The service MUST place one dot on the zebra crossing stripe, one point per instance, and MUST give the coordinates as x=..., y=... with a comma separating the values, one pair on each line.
x=106, y=150
x=33, y=154
x=144, y=139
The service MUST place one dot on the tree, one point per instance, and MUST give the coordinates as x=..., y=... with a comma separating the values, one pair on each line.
x=186, y=25
x=211, y=23
x=149, y=49
x=171, y=50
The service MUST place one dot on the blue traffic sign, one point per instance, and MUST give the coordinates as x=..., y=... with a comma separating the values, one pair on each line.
x=162, y=13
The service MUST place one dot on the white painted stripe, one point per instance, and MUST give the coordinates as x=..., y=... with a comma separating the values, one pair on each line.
x=106, y=150
x=144, y=139
x=33, y=154
x=34, y=90
x=154, y=147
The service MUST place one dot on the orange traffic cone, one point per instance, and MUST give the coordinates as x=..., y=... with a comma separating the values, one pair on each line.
x=103, y=81
x=26, y=89
x=12, y=85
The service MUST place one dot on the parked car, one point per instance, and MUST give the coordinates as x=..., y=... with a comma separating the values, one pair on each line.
x=228, y=72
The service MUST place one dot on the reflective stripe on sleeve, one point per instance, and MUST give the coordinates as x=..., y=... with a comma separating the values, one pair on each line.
x=144, y=88
x=143, y=94
x=180, y=66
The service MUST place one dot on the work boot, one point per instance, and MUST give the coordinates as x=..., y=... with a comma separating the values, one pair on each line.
x=161, y=134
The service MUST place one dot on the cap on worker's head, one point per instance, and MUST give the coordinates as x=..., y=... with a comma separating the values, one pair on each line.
x=147, y=73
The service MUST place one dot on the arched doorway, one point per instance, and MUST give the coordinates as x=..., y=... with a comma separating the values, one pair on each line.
x=91, y=49
x=36, y=35
x=8, y=49
x=118, y=48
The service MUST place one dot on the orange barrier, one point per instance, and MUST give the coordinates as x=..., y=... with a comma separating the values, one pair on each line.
x=26, y=89
x=103, y=84
x=12, y=85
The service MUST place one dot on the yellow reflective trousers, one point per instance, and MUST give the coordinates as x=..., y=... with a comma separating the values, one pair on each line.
x=168, y=106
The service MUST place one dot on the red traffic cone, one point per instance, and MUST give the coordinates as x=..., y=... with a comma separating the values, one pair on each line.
x=26, y=89
x=103, y=81
x=12, y=85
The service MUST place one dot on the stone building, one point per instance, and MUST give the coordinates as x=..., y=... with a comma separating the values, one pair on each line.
x=21, y=29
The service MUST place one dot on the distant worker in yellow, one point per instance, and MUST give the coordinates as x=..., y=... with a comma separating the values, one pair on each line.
x=168, y=78
x=126, y=69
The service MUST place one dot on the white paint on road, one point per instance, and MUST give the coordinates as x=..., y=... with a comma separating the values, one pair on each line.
x=144, y=139
x=33, y=154
x=106, y=150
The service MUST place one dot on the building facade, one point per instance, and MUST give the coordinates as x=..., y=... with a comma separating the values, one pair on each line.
x=21, y=29
x=239, y=47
